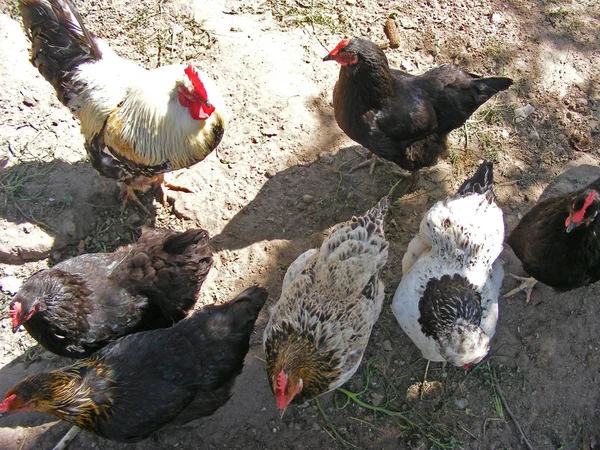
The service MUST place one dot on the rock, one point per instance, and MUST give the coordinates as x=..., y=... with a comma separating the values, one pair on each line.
x=10, y=285
x=17, y=247
x=534, y=135
x=583, y=171
x=308, y=199
x=461, y=403
x=28, y=97
x=387, y=346
x=377, y=398
x=269, y=131
x=497, y=18
x=522, y=113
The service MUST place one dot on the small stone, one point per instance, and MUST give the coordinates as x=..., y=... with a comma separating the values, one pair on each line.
x=497, y=18
x=387, y=346
x=94, y=444
x=534, y=135
x=377, y=399
x=26, y=227
x=133, y=219
x=522, y=113
x=274, y=430
x=28, y=97
x=269, y=174
x=461, y=403
x=10, y=285
x=327, y=159
x=301, y=206
x=308, y=199
x=8, y=270
x=343, y=430
x=316, y=426
x=350, y=2
x=581, y=102
x=263, y=409
x=269, y=132
x=298, y=426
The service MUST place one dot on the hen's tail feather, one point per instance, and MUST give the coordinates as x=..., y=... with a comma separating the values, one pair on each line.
x=169, y=268
x=60, y=41
x=244, y=308
x=492, y=85
x=481, y=182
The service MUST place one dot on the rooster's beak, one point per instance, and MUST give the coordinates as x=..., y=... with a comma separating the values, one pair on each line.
x=328, y=58
x=15, y=329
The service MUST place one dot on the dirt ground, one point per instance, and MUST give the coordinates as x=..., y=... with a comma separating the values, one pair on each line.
x=280, y=179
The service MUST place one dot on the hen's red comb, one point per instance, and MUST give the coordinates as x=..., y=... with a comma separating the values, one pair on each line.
x=14, y=310
x=192, y=74
x=340, y=46
x=282, y=381
x=578, y=216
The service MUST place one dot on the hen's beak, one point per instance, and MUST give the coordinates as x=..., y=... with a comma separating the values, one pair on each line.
x=571, y=225
x=16, y=328
x=282, y=412
x=328, y=58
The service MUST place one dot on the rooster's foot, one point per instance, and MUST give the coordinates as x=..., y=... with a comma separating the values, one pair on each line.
x=128, y=193
x=161, y=188
x=527, y=284
x=67, y=438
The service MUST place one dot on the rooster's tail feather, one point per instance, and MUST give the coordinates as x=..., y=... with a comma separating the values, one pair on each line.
x=481, y=182
x=60, y=41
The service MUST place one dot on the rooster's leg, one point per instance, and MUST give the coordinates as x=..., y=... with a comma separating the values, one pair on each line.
x=527, y=284
x=128, y=193
x=162, y=185
x=67, y=438
x=371, y=162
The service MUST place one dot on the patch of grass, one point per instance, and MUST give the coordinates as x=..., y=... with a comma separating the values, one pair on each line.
x=314, y=13
x=563, y=20
x=408, y=421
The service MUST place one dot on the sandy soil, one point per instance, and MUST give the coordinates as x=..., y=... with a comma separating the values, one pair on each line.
x=281, y=178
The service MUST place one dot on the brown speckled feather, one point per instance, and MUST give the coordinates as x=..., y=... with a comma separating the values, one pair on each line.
x=331, y=299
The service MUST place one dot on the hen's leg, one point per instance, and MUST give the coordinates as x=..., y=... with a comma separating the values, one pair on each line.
x=67, y=438
x=527, y=284
x=128, y=193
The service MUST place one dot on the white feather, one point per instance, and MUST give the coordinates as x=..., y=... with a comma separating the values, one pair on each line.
x=464, y=236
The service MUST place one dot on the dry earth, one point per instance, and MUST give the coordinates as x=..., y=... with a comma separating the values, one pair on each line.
x=280, y=179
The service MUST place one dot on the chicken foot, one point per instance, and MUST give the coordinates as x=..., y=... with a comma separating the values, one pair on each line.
x=527, y=284
x=128, y=193
x=161, y=185
x=67, y=438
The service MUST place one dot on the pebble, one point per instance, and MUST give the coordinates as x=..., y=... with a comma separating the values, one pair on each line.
x=133, y=219
x=28, y=97
x=350, y=2
x=328, y=159
x=308, y=199
x=301, y=206
x=350, y=195
x=269, y=132
x=10, y=285
x=377, y=398
x=269, y=174
x=522, y=113
x=461, y=403
x=343, y=430
x=316, y=426
x=497, y=18
x=534, y=135
x=387, y=346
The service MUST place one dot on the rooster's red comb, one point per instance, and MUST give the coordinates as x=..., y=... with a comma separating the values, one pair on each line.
x=192, y=74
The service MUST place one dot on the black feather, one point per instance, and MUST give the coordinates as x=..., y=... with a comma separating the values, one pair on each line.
x=446, y=300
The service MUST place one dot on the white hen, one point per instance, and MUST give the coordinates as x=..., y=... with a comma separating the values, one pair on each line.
x=447, y=301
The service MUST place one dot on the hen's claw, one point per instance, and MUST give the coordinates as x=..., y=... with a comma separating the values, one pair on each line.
x=527, y=284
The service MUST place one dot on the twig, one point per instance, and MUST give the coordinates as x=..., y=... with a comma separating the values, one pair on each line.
x=510, y=413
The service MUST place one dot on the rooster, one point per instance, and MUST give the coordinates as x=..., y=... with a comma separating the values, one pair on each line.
x=557, y=241
x=331, y=298
x=137, y=123
x=83, y=303
x=447, y=301
x=143, y=382
x=387, y=110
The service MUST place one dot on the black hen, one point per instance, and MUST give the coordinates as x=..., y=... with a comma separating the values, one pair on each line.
x=82, y=304
x=387, y=110
x=146, y=381
x=557, y=240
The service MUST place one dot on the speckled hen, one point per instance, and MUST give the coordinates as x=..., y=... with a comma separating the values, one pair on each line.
x=331, y=298
x=447, y=301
